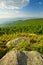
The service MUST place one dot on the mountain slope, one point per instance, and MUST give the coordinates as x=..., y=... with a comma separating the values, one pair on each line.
x=26, y=22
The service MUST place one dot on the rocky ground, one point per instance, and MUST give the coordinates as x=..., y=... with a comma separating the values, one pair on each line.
x=22, y=58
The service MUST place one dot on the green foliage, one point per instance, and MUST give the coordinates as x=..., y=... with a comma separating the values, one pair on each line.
x=30, y=26
x=23, y=45
x=32, y=42
x=38, y=47
x=3, y=51
x=11, y=46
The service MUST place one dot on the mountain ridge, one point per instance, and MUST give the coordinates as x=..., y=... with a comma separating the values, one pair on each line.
x=17, y=22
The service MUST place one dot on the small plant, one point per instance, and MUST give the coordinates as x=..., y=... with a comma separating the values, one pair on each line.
x=11, y=46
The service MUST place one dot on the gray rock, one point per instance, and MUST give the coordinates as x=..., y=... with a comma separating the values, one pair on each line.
x=22, y=58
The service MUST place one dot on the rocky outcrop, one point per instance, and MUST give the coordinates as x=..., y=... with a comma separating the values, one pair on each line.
x=16, y=41
x=22, y=58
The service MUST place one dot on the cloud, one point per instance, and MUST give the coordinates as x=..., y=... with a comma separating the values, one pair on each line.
x=12, y=15
x=40, y=3
x=18, y=14
x=13, y=4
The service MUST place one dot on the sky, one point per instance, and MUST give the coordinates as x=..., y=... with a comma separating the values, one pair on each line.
x=21, y=8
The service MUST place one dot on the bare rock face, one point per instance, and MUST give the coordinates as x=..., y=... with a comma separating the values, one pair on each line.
x=9, y=59
x=22, y=58
x=30, y=58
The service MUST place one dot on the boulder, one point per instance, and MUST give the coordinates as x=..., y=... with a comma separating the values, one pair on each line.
x=9, y=59
x=22, y=58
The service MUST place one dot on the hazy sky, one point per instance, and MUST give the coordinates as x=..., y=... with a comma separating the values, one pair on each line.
x=21, y=8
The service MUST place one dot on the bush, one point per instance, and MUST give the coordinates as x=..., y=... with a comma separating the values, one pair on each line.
x=3, y=51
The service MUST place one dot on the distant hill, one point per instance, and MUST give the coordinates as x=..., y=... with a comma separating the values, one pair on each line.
x=12, y=23
x=7, y=21
x=24, y=22
x=29, y=25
